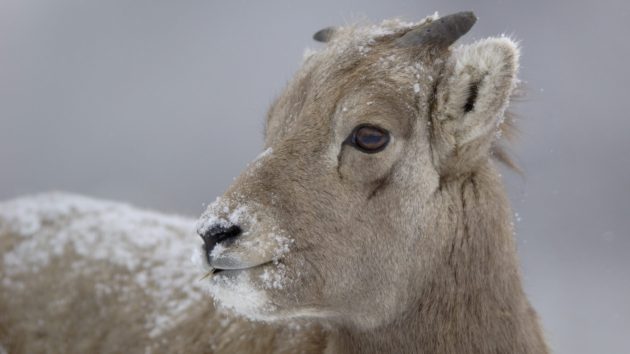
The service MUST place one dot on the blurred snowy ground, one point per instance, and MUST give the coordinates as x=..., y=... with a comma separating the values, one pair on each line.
x=161, y=104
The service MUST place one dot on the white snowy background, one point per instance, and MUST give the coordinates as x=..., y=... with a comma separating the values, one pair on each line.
x=161, y=103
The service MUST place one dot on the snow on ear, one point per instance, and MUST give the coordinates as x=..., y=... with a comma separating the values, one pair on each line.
x=471, y=100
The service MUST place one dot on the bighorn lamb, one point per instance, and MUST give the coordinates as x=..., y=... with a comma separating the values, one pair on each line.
x=374, y=222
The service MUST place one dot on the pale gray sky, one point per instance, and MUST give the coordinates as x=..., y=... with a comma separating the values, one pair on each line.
x=161, y=103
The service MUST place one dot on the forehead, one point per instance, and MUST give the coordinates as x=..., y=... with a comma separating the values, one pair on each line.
x=359, y=65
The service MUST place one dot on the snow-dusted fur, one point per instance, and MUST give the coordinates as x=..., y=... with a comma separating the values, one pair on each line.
x=80, y=275
x=405, y=250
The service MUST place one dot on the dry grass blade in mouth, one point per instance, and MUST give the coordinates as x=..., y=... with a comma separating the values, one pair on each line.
x=207, y=274
x=210, y=272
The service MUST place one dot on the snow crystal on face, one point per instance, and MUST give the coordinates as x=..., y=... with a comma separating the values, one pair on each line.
x=283, y=244
x=218, y=216
x=274, y=278
x=364, y=49
x=153, y=247
x=264, y=154
x=238, y=215
x=237, y=293
x=258, y=161
x=388, y=27
x=416, y=88
x=217, y=250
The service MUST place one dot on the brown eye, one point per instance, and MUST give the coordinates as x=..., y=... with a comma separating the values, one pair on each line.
x=368, y=138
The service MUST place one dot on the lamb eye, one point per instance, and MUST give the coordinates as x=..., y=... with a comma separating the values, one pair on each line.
x=368, y=138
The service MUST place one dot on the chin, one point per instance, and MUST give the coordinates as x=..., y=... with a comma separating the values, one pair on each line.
x=240, y=292
x=258, y=294
x=250, y=292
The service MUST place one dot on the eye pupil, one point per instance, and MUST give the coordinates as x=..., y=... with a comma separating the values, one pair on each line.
x=370, y=139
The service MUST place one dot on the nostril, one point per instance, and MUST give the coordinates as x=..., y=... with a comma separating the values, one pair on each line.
x=217, y=234
x=222, y=233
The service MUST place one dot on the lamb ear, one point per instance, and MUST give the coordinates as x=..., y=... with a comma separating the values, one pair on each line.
x=471, y=100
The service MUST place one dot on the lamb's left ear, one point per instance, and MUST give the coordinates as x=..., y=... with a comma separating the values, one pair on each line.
x=470, y=102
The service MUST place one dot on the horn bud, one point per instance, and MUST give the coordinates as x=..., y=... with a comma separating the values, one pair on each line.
x=441, y=32
x=324, y=35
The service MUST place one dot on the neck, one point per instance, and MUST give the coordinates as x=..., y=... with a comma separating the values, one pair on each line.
x=473, y=301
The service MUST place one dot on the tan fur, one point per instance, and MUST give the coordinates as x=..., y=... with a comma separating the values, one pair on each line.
x=406, y=250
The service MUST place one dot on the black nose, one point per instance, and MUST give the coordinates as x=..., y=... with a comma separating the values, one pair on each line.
x=217, y=234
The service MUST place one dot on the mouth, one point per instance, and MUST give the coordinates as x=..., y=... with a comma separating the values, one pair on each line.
x=214, y=271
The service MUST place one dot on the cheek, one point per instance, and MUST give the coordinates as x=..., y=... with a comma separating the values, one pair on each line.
x=358, y=166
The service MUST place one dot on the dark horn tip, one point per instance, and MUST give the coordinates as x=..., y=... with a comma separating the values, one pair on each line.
x=324, y=35
x=456, y=25
x=468, y=17
x=469, y=14
x=440, y=33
